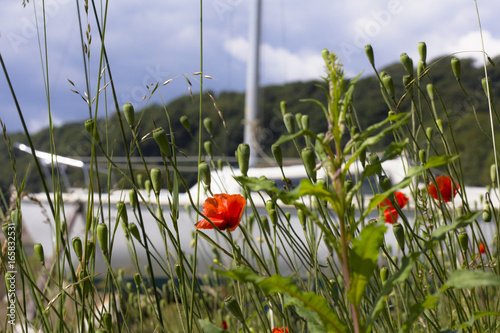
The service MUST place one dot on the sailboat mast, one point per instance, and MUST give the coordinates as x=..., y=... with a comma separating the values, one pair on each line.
x=252, y=84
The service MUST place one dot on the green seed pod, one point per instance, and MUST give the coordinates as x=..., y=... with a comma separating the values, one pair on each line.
x=204, y=171
x=85, y=284
x=302, y=218
x=384, y=274
x=463, y=239
x=430, y=90
x=137, y=280
x=429, y=131
x=220, y=164
x=493, y=174
x=487, y=213
x=283, y=107
x=91, y=128
x=161, y=139
x=243, y=158
x=422, y=155
x=106, y=320
x=305, y=121
x=407, y=82
x=209, y=126
x=440, y=125
x=122, y=212
x=178, y=271
x=298, y=119
x=120, y=276
x=185, y=123
x=420, y=68
x=89, y=250
x=77, y=247
x=289, y=121
x=374, y=160
x=38, y=248
x=271, y=210
x=134, y=231
x=399, y=233
x=389, y=85
x=156, y=180
x=265, y=224
x=140, y=180
x=369, y=54
x=422, y=51
x=148, y=186
x=128, y=110
x=102, y=237
x=288, y=216
x=208, y=149
x=407, y=63
x=132, y=196
x=309, y=162
x=233, y=307
x=385, y=183
x=276, y=149
x=455, y=66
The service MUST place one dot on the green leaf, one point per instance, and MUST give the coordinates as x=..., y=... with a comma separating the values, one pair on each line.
x=257, y=184
x=314, y=324
x=279, y=284
x=208, y=327
x=363, y=259
x=464, y=279
x=459, y=222
x=306, y=188
x=430, y=302
x=476, y=315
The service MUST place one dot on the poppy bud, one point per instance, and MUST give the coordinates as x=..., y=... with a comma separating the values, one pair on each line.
x=90, y=126
x=204, y=171
x=302, y=218
x=399, y=233
x=420, y=68
x=318, y=146
x=422, y=155
x=429, y=131
x=389, y=85
x=128, y=110
x=289, y=121
x=243, y=158
x=132, y=196
x=156, y=180
x=120, y=275
x=38, y=248
x=265, y=224
x=271, y=210
x=305, y=121
x=493, y=174
x=430, y=91
x=185, y=123
x=122, y=212
x=178, y=271
x=455, y=66
x=422, y=51
x=332, y=283
x=140, y=180
x=369, y=54
x=283, y=107
x=463, y=239
x=233, y=307
x=209, y=126
x=132, y=228
x=407, y=63
x=309, y=162
x=137, y=280
x=148, y=186
x=326, y=55
x=384, y=274
x=89, y=250
x=276, y=149
x=487, y=213
x=288, y=216
x=407, y=82
x=161, y=139
x=220, y=164
x=102, y=237
x=208, y=149
x=77, y=247
x=106, y=320
x=85, y=284
x=374, y=160
x=439, y=123
x=298, y=118
x=385, y=183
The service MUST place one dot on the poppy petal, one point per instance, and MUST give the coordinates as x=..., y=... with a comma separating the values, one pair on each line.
x=205, y=224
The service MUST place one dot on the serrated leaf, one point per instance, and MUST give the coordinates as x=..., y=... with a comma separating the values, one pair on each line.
x=363, y=259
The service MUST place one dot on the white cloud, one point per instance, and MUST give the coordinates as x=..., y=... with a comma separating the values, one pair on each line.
x=469, y=45
x=279, y=65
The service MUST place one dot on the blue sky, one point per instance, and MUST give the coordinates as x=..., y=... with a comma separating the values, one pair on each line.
x=153, y=41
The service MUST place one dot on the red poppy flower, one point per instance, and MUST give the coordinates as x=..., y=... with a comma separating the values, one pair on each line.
x=481, y=248
x=390, y=213
x=224, y=210
x=280, y=330
x=224, y=325
x=445, y=186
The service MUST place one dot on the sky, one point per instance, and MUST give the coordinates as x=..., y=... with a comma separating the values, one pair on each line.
x=154, y=41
